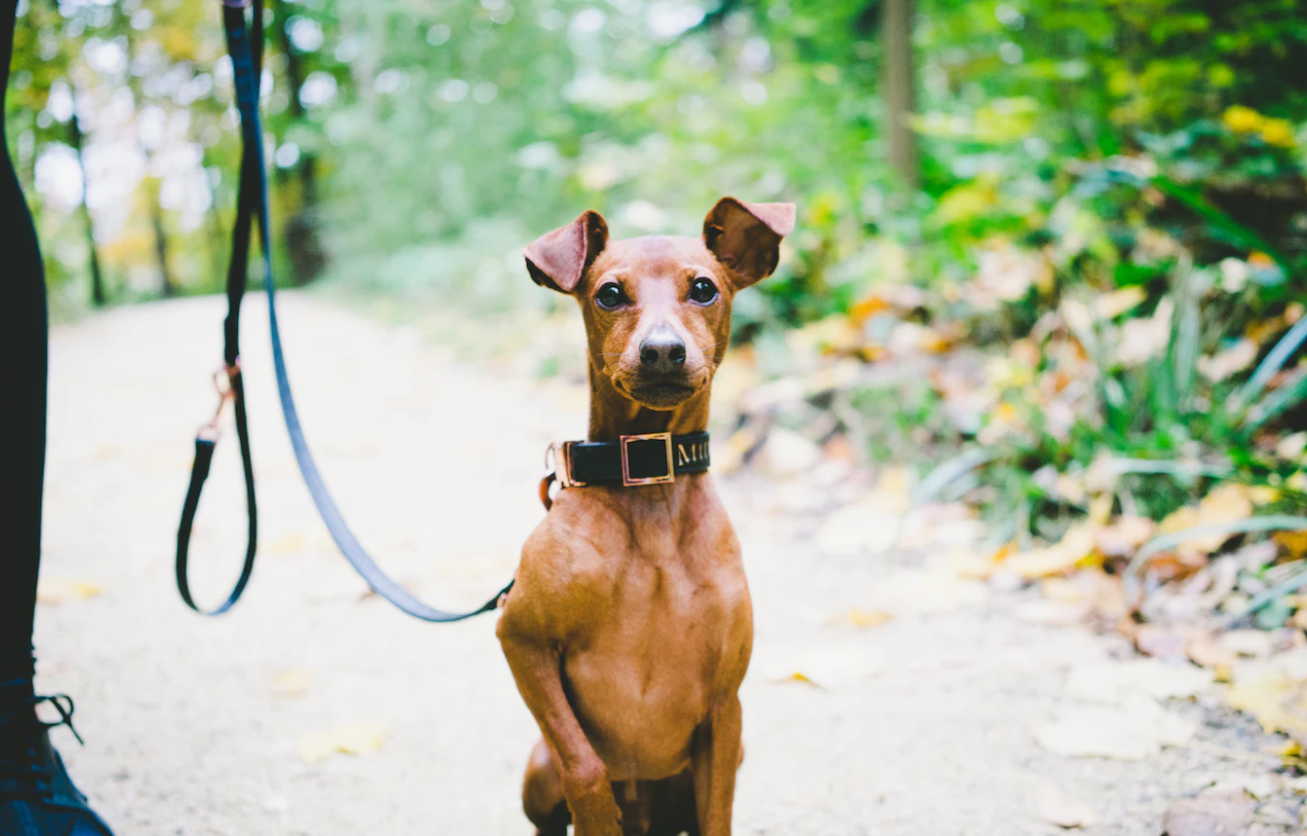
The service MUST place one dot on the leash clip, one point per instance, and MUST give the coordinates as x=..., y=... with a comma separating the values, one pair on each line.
x=226, y=392
x=558, y=468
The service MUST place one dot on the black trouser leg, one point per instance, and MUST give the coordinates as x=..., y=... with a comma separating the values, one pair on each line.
x=24, y=349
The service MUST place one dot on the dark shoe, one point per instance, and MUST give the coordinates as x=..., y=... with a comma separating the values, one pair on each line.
x=37, y=798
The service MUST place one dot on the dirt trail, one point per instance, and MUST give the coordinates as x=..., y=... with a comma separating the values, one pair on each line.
x=194, y=726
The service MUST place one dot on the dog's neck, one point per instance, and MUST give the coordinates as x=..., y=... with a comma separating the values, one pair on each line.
x=613, y=414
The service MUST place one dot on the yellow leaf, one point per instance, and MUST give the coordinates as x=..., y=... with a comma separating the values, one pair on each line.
x=1075, y=546
x=291, y=683
x=1179, y=520
x=1273, y=699
x=1226, y=503
x=289, y=543
x=1294, y=542
x=315, y=747
x=799, y=677
x=1277, y=132
x=55, y=591
x=862, y=619
x=348, y=739
x=1242, y=119
x=1112, y=305
x=867, y=308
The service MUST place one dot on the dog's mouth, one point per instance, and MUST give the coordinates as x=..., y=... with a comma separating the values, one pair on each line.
x=661, y=394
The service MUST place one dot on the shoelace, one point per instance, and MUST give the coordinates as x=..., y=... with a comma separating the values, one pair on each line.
x=24, y=773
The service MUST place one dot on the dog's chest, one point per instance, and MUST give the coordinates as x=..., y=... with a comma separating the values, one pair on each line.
x=675, y=638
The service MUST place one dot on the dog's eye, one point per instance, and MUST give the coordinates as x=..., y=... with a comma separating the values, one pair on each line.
x=610, y=296
x=703, y=291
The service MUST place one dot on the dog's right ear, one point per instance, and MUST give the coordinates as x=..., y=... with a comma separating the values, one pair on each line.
x=559, y=259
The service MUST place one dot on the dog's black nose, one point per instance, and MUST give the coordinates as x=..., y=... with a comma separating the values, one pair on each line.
x=662, y=351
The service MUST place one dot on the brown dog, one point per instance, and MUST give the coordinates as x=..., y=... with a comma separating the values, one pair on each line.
x=629, y=627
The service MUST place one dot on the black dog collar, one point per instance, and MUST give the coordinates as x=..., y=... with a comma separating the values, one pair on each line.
x=650, y=459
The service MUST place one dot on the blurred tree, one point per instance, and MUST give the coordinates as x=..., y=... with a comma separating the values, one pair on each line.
x=900, y=99
x=75, y=138
x=301, y=230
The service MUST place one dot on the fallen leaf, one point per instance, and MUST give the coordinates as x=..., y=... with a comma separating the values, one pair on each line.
x=786, y=454
x=824, y=666
x=55, y=591
x=735, y=450
x=1210, y=814
x=980, y=565
x=1056, y=807
x=1225, y=503
x=1219, y=366
x=1075, y=546
x=291, y=683
x=929, y=591
x=1053, y=613
x=1062, y=590
x=893, y=490
x=1252, y=643
x=1272, y=697
x=1112, y=305
x=1259, y=787
x=1293, y=542
x=1119, y=681
x=1144, y=337
x=1134, y=731
x=862, y=619
x=1160, y=642
x=289, y=543
x=348, y=739
x=1124, y=535
x=867, y=308
x=1204, y=650
x=858, y=529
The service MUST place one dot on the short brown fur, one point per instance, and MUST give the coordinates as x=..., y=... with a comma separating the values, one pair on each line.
x=629, y=628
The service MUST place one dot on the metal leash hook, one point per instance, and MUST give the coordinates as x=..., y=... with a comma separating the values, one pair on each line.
x=226, y=392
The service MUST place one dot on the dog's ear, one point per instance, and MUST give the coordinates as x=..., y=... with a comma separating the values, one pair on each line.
x=746, y=237
x=559, y=259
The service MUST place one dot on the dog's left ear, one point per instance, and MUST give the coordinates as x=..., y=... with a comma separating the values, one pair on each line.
x=746, y=237
x=559, y=259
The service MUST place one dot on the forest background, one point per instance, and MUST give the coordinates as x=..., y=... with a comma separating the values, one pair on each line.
x=1051, y=259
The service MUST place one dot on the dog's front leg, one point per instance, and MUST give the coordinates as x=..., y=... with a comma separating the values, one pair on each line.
x=538, y=671
x=716, y=759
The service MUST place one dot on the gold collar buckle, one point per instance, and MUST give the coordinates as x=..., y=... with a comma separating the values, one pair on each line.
x=630, y=481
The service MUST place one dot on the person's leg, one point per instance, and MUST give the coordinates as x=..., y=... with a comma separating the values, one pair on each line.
x=36, y=796
x=22, y=457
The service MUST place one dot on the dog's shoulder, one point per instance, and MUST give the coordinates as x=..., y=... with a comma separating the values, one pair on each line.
x=566, y=574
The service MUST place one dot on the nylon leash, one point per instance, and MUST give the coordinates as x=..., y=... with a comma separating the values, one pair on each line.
x=245, y=44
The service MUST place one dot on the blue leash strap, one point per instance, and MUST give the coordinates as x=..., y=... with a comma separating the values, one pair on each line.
x=244, y=44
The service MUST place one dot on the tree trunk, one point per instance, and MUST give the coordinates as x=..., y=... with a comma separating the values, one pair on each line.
x=302, y=241
x=166, y=285
x=899, y=95
x=98, y=297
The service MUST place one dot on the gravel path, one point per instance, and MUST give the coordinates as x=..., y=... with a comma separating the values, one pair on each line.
x=195, y=726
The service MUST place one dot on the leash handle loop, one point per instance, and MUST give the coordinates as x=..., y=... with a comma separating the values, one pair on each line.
x=245, y=48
